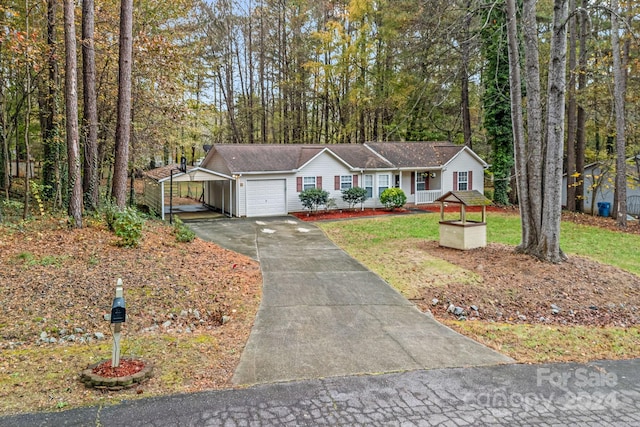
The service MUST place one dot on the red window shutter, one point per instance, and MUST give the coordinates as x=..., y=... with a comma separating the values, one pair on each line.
x=319, y=182
x=299, y=184
x=426, y=182
x=470, y=180
x=413, y=182
x=355, y=180
x=455, y=181
x=336, y=182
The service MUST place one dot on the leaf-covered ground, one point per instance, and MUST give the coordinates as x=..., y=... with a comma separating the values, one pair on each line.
x=190, y=308
x=533, y=311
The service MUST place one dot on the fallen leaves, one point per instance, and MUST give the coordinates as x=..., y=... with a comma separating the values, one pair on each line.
x=58, y=283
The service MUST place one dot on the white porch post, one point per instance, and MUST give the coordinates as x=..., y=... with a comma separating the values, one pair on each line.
x=162, y=200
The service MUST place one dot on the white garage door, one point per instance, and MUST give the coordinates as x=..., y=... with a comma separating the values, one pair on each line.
x=266, y=197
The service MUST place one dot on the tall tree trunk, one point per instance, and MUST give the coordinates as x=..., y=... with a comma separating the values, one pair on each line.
x=90, y=112
x=581, y=140
x=549, y=243
x=249, y=49
x=50, y=131
x=27, y=118
x=123, y=126
x=71, y=101
x=495, y=99
x=572, y=105
x=4, y=143
x=534, y=148
x=540, y=205
x=464, y=79
x=620, y=207
x=517, y=120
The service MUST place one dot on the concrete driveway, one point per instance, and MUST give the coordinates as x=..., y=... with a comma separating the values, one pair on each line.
x=324, y=314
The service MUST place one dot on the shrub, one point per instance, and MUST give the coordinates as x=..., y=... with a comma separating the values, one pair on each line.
x=110, y=211
x=313, y=198
x=127, y=225
x=354, y=195
x=183, y=233
x=393, y=198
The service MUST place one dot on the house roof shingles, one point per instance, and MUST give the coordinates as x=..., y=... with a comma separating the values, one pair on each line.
x=259, y=157
x=246, y=158
x=416, y=154
x=165, y=171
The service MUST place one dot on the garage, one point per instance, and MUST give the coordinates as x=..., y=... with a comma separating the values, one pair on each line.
x=266, y=197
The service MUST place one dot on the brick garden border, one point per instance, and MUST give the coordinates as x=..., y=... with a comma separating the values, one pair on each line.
x=99, y=382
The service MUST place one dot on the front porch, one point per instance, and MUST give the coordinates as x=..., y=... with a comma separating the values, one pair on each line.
x=427, y=196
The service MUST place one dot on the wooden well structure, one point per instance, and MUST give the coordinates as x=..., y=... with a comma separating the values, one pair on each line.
x=463, y=233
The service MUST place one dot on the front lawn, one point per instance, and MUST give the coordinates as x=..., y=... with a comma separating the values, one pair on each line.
x=584, y=309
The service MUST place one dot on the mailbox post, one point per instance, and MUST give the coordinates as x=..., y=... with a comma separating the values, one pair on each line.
x=118, y=317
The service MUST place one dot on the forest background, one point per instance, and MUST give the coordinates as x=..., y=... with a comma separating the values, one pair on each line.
x=294, y=71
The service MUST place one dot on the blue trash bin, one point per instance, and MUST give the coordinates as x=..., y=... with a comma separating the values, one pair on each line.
x=604, y=208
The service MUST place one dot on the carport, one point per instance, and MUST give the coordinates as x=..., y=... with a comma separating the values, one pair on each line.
x=158, y=184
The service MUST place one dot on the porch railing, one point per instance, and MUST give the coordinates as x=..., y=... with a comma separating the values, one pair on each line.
x=428, y=196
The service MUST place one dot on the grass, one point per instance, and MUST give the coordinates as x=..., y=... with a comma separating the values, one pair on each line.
x=385, y=246
x=542, y=343
x=46, y=378
x=606, y=246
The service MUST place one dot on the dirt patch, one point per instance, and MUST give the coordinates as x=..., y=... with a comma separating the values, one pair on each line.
x=190, y=309
x=518, y=288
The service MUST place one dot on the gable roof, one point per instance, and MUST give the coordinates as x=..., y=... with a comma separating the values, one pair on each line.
x=255, y=158
x=416, y=154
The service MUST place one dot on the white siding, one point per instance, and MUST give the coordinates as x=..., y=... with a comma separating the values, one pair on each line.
x=218, y=195
x=463, y=162
x=326, y=166
x=604, y=192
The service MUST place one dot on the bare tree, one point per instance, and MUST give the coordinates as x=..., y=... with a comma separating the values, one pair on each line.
x=71, y=101
x=572, y=106
x=620, y=208
x=539, y=168
x=582, y=115
x=90, y=112
x=123, y=126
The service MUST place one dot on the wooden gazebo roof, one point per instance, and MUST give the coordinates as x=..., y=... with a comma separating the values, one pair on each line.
x=466, y=198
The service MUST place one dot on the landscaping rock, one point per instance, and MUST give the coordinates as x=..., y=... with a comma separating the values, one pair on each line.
x=451, y=308
x=435, y=301
x=166, y=324
x=458, y=311
x=98, y=335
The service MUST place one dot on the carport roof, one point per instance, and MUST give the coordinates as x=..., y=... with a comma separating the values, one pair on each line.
x=193, y=173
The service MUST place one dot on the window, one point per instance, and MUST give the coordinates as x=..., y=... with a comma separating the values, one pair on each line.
x=463, y=181
x=368, y=185
x=383, y=183
x=421, y=179
x=309, y=182
x=346, y=182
